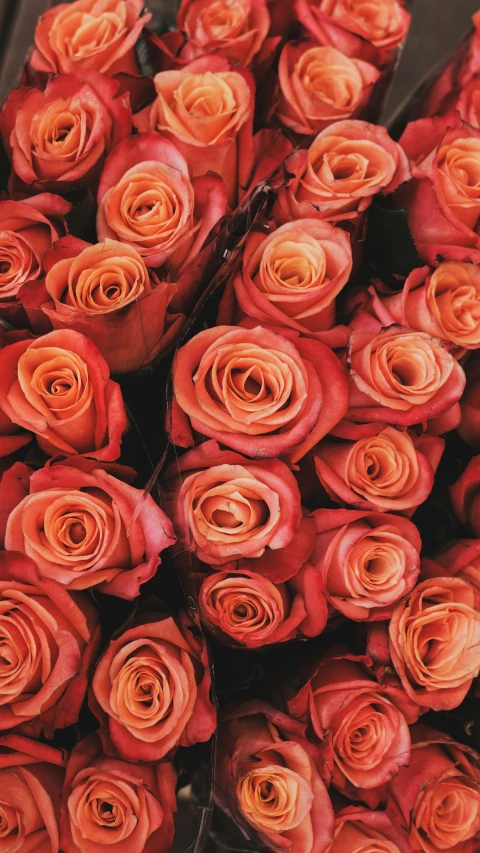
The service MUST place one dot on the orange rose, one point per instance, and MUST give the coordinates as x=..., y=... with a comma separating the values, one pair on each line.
x=359, y=829
x=64, y=133
x=388, y=471
x=207, y=110
x=86, y=35
x=320, y=85
x=336, y=178
x=233, y=28
x=437, y=675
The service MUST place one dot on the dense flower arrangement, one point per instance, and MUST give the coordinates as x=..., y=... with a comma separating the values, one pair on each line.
x=239, y=412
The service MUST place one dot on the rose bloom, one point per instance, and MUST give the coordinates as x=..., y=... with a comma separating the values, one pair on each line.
x=364, y=737
x=43, y=629
x=444, y=198
x=337, y=177
x=370, y=30
x=106, y=292
x=63, y=134
x=87, y=35
x=359, y=829
x=248, y=609
x=465, y=496
x=28, y=229
x=435, y=801
x=369, y=560
x=256, y=391
x=399, y=377
x=319, y=85
x=390, y=471
x=291, y=276
x=436, y=676
x=31, y=777
x=443, y=301
x=171, y=708
x=58, y=386
x=236, y=30
x=207, y=111
x=109, y=804
x=460, y=559
x=86, y=528
x=267, y=780
x=147, y=200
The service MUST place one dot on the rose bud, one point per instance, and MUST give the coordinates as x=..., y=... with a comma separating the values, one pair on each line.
x=399, y=377
x=291, y=276
x=337, y=177
x=359, y=829
x=86, y=528
x=460, y=559
x=107, y=293
x=207, y=111
x=108, y=804
x=364, y=737
x=248, y=609
x=369, y=31
x=267, y=780
x=443, y=199
x=444, y=302
x=59, y=387
x=436, y=675
x=171, y=708
x=320, y=85
x=63, y=134
x=235, y=30
x=465, y=496
x=90, y=34
x=369, y=560
x=31, y=777
x=147, y=201
x=390, y=471
x=256, y=391
x=45, y=630
x=435, y=801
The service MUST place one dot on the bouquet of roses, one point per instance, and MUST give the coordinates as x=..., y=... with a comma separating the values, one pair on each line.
x=239, y=410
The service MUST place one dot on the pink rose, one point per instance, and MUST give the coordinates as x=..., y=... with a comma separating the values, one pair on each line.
x=171, y=664
x=369, y=560
x=256, y=391
x=389, y=471
x=235, y=30
x=460, y=559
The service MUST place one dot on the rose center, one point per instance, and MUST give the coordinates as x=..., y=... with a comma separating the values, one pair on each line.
x=9, y=821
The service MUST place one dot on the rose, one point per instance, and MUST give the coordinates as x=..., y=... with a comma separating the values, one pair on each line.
x=320, y=85
x=86, y=528
x=391, y=470
x=364, y=737
x=151, y=689
x=358, y=828
x=207, y=111
x=356, y=27
x=58, y=387
x=291, y=276
x=236, y=30
x=107, y=803
x=64, y=133
x=438, y=674
x=368, y=560
x=90, y=34
x=435, y=802
x=31, y=778
x=256, y=391
x=106, y=292
x=43, y=629
x=399, y=377
x=465, y=496
x=443, y=301
x=460, y=559
x=147, y=200
x=337, y=177
x=28, y=229
x=267, y=780
x=444, y=197
x=252, y=611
